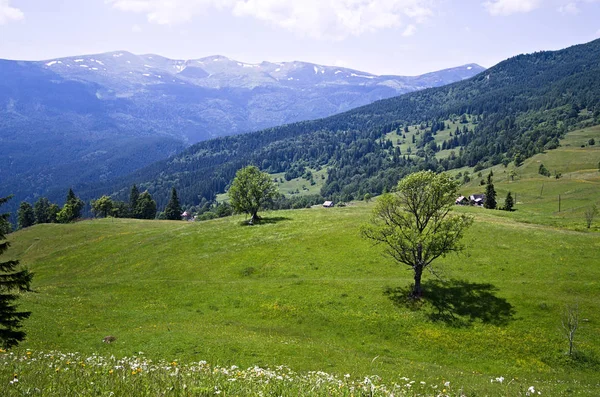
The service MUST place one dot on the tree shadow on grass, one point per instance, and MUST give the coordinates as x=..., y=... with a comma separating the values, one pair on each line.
x=266, y=221
x=457, y=303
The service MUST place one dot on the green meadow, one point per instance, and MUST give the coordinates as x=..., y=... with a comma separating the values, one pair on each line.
x=303, y=290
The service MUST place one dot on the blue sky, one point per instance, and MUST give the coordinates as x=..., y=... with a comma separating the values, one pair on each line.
x=404, y=37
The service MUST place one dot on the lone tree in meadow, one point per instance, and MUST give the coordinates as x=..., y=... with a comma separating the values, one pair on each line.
x=590, y=214
x=12, y=280
x=250, y=191
x=173, y=210
x=414, y=223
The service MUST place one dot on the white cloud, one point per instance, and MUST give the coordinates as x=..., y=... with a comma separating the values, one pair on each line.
x=334, y=19
x=166, y=12
x=8, y=13
x=508, y=7
x=569, y=8
x=409, y=31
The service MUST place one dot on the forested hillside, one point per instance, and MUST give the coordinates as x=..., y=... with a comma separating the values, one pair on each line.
x=516, y=109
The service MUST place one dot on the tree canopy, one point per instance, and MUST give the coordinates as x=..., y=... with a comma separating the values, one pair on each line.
x=414, y=223
x=250, y=191
x=146, y=207
x=25, y=215
x=103, y=206
x=72, y=208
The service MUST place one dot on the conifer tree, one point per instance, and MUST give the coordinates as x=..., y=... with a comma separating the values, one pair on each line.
x=173, y=210
x=134, y=196
x=12, y=280
x=509, y=203
x=25, y=215
x=490, y=194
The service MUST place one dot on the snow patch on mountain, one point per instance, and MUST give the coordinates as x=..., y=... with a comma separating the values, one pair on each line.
x=362, y=76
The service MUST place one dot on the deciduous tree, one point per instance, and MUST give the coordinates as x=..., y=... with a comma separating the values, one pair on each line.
x=146, y=207
x=250, y=191
x=72, y=208
x=40, y=209
x=415, y=224
x=25, y=215
x=590, y=214
x=103, y=206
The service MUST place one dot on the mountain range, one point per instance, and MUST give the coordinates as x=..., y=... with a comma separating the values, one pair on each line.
x=518, y=108
x=91, y=118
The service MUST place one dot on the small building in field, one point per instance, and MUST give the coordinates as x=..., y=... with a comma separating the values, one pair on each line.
x=462, y=200
x=477, y=199
x=186, y=216
x=328, y=204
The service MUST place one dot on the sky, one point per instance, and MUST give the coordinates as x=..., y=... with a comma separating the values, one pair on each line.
x=401, y=37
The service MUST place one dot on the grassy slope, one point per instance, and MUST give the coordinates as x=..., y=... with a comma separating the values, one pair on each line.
x=305, y=290
x=537, y=195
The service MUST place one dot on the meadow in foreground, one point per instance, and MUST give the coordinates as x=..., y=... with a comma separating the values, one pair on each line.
x=305, y=291
x=57, y=374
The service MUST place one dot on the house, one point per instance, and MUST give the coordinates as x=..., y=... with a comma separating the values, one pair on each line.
x=477, y=199
x=462, y=200
x=328, y=204
x=186, y=216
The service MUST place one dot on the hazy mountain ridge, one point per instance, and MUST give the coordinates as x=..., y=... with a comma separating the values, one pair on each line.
x=95, y=117
x=213, y=96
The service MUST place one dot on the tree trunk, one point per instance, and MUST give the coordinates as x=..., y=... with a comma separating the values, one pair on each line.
x=417, y=290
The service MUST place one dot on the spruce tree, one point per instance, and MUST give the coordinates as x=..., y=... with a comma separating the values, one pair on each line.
x=509, y=203
x=134, y=196
x=490, y=194
x=25, y=215
x=12, y=280
x=173, y=210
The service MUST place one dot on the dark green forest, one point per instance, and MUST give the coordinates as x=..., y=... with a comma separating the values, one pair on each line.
x=520, y=107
